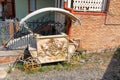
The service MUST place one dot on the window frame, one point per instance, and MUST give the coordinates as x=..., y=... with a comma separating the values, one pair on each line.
x=89, y=6
x=70, y=8
x=29, y=8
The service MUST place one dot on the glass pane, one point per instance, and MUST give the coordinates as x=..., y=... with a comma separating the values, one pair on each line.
x=32, y=5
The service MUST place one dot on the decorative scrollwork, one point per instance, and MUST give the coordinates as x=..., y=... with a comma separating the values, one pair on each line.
x=54, y=47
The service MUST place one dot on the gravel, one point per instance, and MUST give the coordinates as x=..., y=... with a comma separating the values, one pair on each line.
x=75, y=74
x=102, y=67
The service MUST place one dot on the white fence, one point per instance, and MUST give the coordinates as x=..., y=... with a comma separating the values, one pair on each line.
x=89, y=5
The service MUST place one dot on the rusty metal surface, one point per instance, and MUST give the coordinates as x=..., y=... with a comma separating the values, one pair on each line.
x=31, y=63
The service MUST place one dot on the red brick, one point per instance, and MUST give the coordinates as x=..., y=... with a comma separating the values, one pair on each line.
x=94, y=34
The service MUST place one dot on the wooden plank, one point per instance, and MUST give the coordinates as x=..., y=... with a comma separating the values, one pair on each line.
x=11, y=53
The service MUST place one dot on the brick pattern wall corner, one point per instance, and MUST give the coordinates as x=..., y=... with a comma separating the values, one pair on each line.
x=94, y=34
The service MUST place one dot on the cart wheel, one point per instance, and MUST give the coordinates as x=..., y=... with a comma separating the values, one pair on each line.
x=31, y=64
x=75, y=58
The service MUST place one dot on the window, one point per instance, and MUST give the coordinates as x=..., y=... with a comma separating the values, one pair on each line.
x=9, y=9
x=31, y=5
x=88, y=5
x=59, y=3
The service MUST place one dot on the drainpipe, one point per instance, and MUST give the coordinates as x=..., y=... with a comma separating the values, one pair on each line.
x=70, y=30
x=69, y=9
x=66, y=6
x=65, y=3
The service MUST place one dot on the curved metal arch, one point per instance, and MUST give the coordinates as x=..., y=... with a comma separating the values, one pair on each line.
x=50, y=9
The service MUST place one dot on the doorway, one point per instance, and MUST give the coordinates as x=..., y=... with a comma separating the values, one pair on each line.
x=9, y=9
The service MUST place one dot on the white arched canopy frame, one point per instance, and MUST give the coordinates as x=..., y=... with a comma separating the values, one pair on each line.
x=50, y=9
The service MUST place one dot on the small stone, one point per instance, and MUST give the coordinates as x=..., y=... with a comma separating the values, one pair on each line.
x=3, y=74
x=100, y=61
x=87, y=52
x=103, y=51
x=94, y=51
x=100, y=50
x=82, y=61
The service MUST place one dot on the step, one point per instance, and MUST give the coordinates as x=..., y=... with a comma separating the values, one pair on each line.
x=11, y=53
x=3, y=73
x=9, y=57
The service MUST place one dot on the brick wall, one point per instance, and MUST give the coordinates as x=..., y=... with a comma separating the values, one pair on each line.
x=113, y=16
x=99, y=32
x=95, y=33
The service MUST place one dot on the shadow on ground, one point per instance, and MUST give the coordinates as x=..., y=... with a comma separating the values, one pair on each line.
x=113, y=70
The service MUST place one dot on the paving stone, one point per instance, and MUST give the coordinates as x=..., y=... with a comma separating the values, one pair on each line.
x=3, y=73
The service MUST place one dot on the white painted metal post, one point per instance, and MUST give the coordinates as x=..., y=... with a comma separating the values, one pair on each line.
x=69, y=3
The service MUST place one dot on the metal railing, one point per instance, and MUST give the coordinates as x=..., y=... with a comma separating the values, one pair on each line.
x=23, y=38
x=89, y=5
x=45, y=25
x=4, y=32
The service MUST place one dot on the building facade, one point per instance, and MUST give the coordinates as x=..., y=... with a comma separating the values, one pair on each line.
x=20, y=8
x=100, y=28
